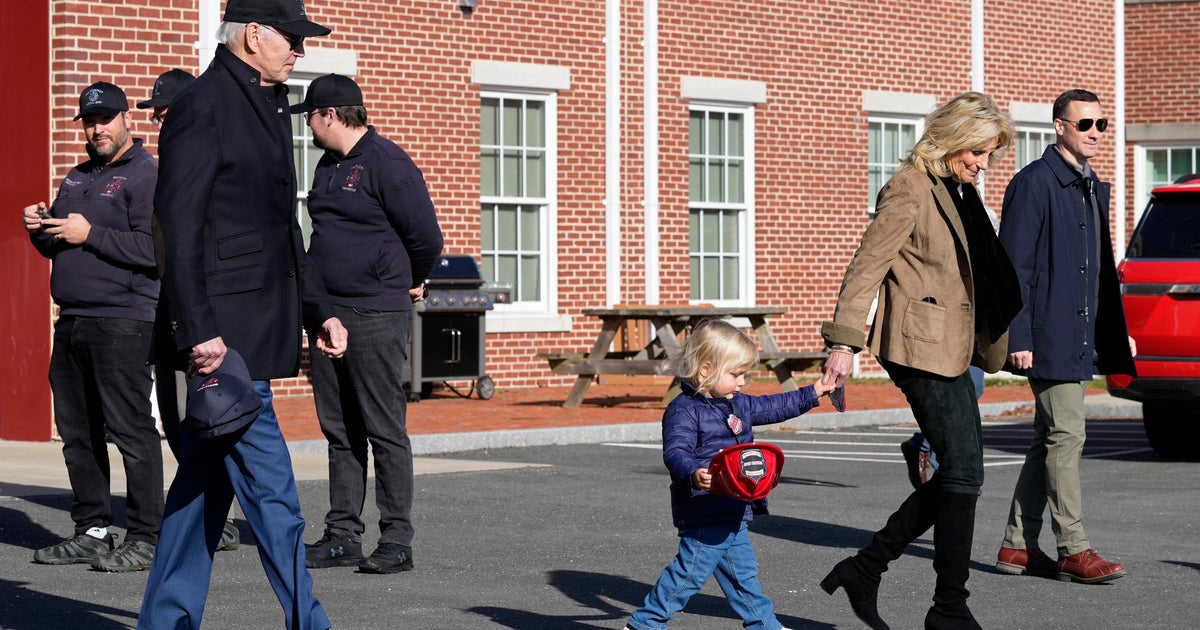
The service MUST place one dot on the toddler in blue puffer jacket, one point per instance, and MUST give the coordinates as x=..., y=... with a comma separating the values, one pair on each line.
x=710, y=414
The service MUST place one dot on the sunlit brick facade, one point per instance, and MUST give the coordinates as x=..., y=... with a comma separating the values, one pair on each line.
x=804, y=81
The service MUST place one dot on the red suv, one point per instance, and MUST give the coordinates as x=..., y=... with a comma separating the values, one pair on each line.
x=1160, y=284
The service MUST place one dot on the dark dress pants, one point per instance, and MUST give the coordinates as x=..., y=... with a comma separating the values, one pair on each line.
x=100, y=377
x=947, y=411
x=360, y=400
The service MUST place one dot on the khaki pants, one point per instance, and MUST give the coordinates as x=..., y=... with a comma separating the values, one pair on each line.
x=1050, y=475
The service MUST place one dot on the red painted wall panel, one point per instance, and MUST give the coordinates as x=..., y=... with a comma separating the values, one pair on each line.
x=25, y=328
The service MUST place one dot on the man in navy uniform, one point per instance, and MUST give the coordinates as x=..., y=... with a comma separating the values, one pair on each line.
x=375, y=239
x=236, y=276
x=104, y=281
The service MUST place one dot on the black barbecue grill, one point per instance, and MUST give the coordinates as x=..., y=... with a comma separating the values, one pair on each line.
x=448, y=328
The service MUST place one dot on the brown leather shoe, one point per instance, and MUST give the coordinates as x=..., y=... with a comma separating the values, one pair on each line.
x=1020, y=561
x=1088, y=567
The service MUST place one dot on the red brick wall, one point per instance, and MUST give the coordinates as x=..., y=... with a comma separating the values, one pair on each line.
x=817, y=60
x=1162, y=71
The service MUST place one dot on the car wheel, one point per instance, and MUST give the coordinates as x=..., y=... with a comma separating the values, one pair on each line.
x=1173, y=430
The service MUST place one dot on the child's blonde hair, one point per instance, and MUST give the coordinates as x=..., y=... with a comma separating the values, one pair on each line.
x=718, y=343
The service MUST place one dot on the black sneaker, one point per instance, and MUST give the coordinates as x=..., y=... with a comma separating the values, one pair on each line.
x=79, y=549
x=388, y=558
x=230, y=537
x=132, y=555
x=333, y=551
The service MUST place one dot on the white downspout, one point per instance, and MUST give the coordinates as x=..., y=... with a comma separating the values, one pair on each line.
x=650, y=134
x=1118, y=193
x=612, y=150
x=977, y=45
x=206, y=45
x=977, y=61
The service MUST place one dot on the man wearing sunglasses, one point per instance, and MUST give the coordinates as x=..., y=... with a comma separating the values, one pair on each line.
x=1055, y=229
x=236, y=277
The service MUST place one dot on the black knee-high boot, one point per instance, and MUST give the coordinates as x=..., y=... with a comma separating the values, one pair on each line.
x=954, y=531
x=859, y=575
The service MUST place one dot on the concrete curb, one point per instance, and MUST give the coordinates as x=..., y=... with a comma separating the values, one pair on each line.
x=1098, y=406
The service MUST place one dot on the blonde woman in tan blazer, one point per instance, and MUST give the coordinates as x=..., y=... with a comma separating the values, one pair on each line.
x=946, y=294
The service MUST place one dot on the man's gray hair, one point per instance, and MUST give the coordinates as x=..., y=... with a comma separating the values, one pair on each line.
x=230, y=31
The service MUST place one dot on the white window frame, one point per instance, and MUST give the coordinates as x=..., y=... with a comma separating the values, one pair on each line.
x=745, y=209
x=888, y=168
x=1020, y=148
x=1142, y=186
x=534, y=315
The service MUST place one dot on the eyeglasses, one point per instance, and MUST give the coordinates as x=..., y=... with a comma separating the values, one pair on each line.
x=313, y=114
x=1083, y=124
x=157, y=120
x=294, y=41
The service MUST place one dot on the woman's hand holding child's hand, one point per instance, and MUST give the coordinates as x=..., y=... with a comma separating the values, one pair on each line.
x=822, y=388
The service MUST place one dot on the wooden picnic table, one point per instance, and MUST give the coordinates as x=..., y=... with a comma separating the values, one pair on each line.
x=669, y=324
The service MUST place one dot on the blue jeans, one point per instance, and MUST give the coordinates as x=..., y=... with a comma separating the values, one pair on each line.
x=255, y=465
x=703, y=551
x=100, y=377
x=360, y=399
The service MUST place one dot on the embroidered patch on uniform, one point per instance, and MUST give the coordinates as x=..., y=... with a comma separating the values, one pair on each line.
x=734, y=423
x=752, y=465
x=113, y=186
x=353, y=178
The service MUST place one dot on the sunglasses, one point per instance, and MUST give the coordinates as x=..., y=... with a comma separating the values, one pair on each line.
x=1083, y=124
x=293, y=41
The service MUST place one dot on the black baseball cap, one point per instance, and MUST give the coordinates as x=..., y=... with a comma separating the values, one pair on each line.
x=331, y=90
x=166, y=87
x=102, y=98
x=287, y=15
x=224, y=401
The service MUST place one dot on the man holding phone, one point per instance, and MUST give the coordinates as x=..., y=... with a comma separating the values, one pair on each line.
x=103, y=278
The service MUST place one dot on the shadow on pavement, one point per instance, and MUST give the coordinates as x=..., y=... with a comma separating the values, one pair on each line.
x=598, y=592
x=852, y=539
x=24, y=609
x=17, y=530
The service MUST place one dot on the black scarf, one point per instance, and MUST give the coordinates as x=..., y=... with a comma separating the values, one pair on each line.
x=997, y=290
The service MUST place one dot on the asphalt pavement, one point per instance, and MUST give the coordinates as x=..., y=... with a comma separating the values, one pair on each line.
x=526, y=533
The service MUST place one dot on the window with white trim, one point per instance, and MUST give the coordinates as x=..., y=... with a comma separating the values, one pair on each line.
x=1031, y=142
x=1164, y=165
x=516, y=174
x=720, y=196
x=305, y=154
x=889, y=140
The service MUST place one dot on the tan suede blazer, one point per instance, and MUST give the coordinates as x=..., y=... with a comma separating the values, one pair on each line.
x=915, y=255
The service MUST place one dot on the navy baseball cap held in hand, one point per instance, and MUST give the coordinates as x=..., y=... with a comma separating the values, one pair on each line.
x=103, y=98
x=331, y=90
x=287, y=15
x=746, y=471
x=224, y=401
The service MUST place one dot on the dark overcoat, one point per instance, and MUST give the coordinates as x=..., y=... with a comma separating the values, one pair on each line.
x=234, y=256
x=1045, y=230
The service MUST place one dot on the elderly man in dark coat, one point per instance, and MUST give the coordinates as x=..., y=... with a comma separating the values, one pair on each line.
x=236, y=276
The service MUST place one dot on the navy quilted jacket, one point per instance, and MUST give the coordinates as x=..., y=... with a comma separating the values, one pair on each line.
x=696, y=427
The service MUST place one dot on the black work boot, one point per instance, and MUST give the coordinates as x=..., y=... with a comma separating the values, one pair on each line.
x=954, y=531
x=859, y=575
